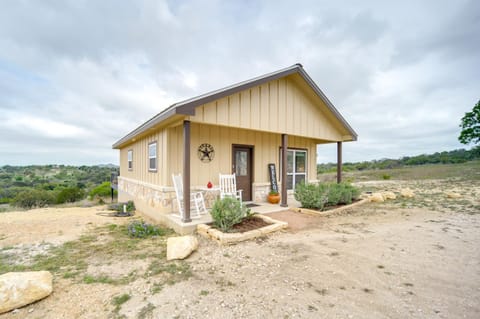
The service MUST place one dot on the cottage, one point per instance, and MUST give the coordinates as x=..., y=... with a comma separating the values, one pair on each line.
x=278, y=118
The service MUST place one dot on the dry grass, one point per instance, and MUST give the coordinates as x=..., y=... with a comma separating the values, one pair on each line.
x=99, y=248
x=462, y=172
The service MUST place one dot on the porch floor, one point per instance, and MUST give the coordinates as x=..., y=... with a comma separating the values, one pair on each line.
x=182, y=228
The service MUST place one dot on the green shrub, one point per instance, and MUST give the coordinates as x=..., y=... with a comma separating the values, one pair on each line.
x=70, y=195
x=350, y=193
x=228, y=212
x=141, y=229
x=311, y=195
x=386, y=176
x=334, y=194
x=130, y=207
x=102, y=190
x=325, y=194
x=34, y=198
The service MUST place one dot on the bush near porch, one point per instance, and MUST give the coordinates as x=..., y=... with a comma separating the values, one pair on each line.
x=319, y=196
x=228, y=212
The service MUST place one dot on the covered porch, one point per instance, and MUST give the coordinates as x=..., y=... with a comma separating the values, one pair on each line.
x=286, y=198
x=176, y=223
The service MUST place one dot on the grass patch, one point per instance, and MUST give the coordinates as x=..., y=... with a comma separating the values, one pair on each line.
x=102, y=245
x=118, y=301
x=156, y=288
x=104, y=279
x=146, y=311
x=177, y=268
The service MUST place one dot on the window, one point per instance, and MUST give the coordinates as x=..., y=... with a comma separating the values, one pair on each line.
x=241, y=162
x=296, y=167
x=130, y=159
x=152, y=156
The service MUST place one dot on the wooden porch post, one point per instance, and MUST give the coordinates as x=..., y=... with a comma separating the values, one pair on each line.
x=284, y=170
x=186, y=172
x=339, y=162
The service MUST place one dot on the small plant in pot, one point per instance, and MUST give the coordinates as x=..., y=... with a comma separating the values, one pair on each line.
x=273, y=197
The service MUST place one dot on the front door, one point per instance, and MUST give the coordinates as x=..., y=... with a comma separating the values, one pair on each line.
x=242, y=167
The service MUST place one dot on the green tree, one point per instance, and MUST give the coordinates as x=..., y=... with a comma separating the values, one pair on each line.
x=70, y=195
x=102, y=190
x=33, y=198
x=471, y=126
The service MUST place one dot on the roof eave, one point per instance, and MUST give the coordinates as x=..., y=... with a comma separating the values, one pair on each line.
x=160, y=117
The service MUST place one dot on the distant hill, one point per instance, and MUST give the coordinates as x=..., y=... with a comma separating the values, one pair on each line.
x=450, y=157
x=110, y=165
x=51, y=179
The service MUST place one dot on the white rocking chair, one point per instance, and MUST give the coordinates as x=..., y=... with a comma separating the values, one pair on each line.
x=228, y=187
x=197, y=204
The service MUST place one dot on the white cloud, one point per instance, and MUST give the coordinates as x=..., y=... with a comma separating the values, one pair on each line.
x=402, y=73
x=44, y=127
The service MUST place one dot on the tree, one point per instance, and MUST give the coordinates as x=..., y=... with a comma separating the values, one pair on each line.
x=70, y=195
x=471, y=126
x=102, y=190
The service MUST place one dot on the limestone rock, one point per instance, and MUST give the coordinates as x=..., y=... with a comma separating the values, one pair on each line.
x=376, y=198
x=407, y=192
x=388, y=195
x=451, y=194
x=181, y=247
x=18, y=289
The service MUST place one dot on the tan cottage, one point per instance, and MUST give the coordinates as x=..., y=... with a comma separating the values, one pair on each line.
x=278, y=118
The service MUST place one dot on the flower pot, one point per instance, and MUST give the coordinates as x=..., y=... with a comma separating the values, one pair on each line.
x=273, y=198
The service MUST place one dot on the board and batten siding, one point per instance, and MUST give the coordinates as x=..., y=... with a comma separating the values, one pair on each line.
x=140, y=159
x=266, y=150
x=286, y=105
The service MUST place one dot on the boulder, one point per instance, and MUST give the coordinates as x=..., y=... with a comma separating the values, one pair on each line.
x=181, y=247
x=18, y=289
x=452, y=195
x=388, y=195
x=376, y=198
x=407, y=192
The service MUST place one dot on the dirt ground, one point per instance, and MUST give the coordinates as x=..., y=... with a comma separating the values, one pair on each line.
x=381, y=260
x=52, y=225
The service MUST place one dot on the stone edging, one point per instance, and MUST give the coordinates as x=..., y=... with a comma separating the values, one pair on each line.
x=329, y=212
x=232, y=238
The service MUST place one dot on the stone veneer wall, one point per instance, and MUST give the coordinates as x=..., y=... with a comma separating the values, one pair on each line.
x=261, y=190
x=152, y=197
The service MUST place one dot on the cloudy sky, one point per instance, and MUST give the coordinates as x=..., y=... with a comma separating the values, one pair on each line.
x=75, y=76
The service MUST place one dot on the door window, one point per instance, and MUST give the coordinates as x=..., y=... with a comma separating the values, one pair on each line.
x=241, y=163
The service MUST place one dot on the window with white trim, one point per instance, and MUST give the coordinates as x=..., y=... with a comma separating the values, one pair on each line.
x=130, y=159
x=296, y=167
x=152, y=156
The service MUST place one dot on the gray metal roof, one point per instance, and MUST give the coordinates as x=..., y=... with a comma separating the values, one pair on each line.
x=187, y=107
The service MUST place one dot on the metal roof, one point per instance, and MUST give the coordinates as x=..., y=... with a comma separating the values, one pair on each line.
x=187, y=107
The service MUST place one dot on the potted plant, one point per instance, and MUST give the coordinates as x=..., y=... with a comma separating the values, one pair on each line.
x=273, y=197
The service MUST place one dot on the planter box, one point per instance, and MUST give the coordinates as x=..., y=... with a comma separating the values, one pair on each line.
x=232, y=238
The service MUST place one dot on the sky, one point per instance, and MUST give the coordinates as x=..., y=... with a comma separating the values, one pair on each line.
x=76, y=76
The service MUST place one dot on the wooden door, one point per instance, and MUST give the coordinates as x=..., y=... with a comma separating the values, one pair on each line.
x=242, y=167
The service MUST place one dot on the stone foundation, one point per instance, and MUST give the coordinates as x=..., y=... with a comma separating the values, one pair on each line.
x=261, y=190
x=150, y=197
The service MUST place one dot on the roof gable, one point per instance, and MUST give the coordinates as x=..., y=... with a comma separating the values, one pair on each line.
x=188, y=107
